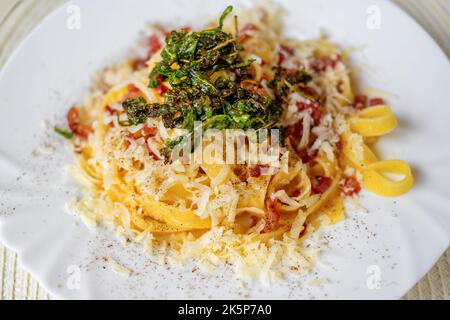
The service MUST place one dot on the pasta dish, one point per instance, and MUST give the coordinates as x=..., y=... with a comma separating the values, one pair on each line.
x=230, y=145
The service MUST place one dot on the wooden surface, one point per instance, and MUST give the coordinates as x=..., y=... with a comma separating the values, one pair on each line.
x=18, y=17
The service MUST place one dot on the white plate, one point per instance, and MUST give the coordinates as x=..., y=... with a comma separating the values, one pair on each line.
x=398, y=241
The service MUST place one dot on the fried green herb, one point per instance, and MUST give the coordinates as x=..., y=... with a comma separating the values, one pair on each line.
x=191, y=62
x=136, y=110
x=169, y=146
x=66, y=134
x=211, y=83
x=286, y=80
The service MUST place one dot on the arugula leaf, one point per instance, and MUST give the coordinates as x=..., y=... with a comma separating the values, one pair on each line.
x=66, y=134
x=224, y=15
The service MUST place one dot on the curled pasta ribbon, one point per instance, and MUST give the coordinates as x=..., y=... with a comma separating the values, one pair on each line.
x=373, y=171
x=374, y=178
x=353, y=159
x=374, y=121
x=368, y=157
x=324, y=166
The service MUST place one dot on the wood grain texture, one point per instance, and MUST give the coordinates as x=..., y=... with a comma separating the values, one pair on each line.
x=18, y=17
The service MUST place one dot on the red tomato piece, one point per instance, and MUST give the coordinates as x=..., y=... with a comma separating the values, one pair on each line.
x=360, y=102
x=73, y=121
x=376, y=102
x=305, y=229
x=320, y=184
x=255, y=172
x=350, y=186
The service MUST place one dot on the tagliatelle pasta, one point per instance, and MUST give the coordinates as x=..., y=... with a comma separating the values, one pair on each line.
x=374, y=122
x=376, y=182
x=232, y=144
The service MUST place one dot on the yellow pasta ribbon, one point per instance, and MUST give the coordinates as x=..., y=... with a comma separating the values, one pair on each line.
x=276, y=234
x=323, y=166
x=373, y=170
x=335, y=210
x=154, y=226
x=213, y=171
x=175, y=192
x=374, y=121
x=256, y=194
x=358, y=162
x=376, y=182
x=315, y=210
x=172, y=216
x=114, y=96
